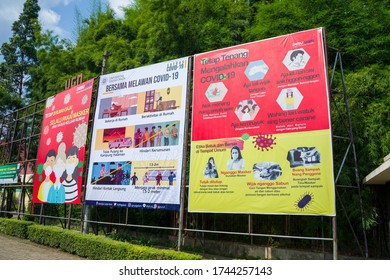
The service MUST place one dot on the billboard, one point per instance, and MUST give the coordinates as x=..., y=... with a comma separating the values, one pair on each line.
x=58, y=177
x=137, y=142
x=261, y=139
x=9, y=173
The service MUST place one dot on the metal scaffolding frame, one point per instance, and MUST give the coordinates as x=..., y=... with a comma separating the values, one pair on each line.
x=183, y=223
x=345, y=116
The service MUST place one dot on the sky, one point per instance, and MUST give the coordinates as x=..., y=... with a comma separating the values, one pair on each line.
x=55, y=15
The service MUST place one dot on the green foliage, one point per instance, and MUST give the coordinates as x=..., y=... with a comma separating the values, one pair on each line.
x=99, y=247
x=127, y=238
x=167, y=29
x=20, y=53
x=19, y=56
x=277, y=18
x=360, y=29
x=369, y=100
x=9, y=101
x=205, y=26
x=14, y=227
x=102, y=32
x=57, y=64
x=158, y=30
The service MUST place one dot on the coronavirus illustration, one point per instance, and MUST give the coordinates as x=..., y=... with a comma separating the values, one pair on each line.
x=264, y=141
x=304, y=201
x=80, y=135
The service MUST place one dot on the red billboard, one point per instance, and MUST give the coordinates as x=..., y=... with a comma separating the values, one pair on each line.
x=261, y=138
x=60, y=159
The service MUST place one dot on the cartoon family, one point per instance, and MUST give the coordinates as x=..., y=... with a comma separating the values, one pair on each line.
x=64, y=165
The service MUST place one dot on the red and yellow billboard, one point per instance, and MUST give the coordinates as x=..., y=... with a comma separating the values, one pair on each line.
x=60, y=159
x=261, y=139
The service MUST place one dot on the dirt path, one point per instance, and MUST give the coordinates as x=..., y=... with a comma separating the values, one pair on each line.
x=13, y=248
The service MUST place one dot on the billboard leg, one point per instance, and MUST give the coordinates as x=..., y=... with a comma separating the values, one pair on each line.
x=335, y=256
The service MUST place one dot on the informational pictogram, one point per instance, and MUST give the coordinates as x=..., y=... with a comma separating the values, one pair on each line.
x=265, y=142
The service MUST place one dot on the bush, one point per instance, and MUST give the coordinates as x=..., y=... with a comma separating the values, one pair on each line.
x=14, y=227
x=88, y=245
x=100, y=247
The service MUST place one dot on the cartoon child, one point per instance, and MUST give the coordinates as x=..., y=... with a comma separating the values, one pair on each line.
x=71, y=175
x=45, y=186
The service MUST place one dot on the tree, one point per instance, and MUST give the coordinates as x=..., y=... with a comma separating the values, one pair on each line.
x=168, y=29
x=103, y=32
x=360, y=29
x=20, y=53
x=56, y=65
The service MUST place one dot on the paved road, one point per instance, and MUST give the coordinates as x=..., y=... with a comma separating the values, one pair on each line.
x=13, y=248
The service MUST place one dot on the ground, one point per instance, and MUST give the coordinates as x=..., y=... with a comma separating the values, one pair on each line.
x=14, y=248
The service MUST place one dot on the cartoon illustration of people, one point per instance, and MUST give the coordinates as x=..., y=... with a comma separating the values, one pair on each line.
x=153, y=134
x=115, y=107
x=137, y=138
x=236, y=162
x=246, y=116
x=171, y=177
x=289, y=99
x=146, y=178
x=159, y=136
x=119, y=175
x=145, y=137
x=57, y=191
x=134, y=178
x=173, y=134
x=103, y=171
x=46, y=185
x=246, y=110
x=166, y=135
x=296, y=58
x=158, y=179
x=211, y=169
x=158, y=103
x=71, y=175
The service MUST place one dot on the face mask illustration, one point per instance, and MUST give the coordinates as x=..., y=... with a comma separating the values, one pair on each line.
x=70, y=168
x=48, y=171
